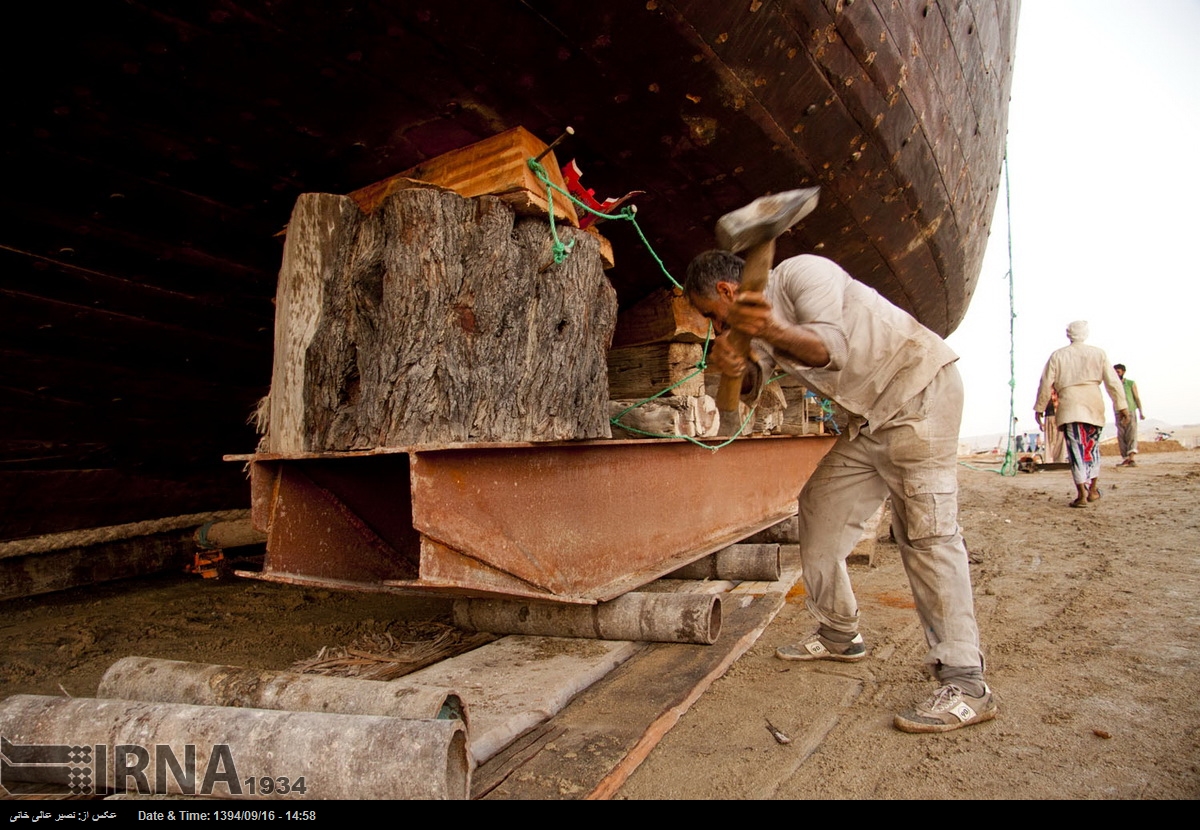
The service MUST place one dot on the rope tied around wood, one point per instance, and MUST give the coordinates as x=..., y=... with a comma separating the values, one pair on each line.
x=701, y=365
x=628, y=213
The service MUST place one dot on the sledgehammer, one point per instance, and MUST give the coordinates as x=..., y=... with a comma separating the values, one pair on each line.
x=753, y=229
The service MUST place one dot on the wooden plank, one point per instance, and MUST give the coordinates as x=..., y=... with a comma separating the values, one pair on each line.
x=151, y=393
x=856, y=48
x=664, y=315
x=88, y=194
x=57, y=562
x=49, y=233
x=496, y=166
x=817, y=85
x=638, y=372
x=593, y=745
x=518, y=682
x=881, y=99
x=35, y=325
x=244, y=319
x=371, y=197
x=52, y=501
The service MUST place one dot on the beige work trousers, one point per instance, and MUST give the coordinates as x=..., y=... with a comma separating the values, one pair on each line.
x=913, y=458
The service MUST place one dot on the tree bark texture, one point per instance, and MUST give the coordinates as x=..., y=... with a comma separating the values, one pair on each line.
x=435, y=319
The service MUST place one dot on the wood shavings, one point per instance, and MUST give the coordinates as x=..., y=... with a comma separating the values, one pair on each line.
x=384, y=656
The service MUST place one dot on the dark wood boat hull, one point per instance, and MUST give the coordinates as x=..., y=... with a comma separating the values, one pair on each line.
x=154, y=151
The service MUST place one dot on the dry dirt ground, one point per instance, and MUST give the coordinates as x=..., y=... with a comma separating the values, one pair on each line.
x=1091, y=627
x=1089, y=617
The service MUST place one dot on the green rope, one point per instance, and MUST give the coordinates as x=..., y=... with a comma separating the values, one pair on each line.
x=700, y=367
x=627, y=213
x=560, y=251
x=1009, y=467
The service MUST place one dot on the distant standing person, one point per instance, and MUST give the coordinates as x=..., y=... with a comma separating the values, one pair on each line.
x=1075, y=372
x=1056, y=447
x=1127, y=434
x=1018, y=436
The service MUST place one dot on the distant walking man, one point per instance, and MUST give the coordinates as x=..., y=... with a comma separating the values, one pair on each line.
x=1076, y=372
x=1127, y=434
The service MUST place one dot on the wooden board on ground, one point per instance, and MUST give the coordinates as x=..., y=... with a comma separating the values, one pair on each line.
x=593, y=745
x=517, y=682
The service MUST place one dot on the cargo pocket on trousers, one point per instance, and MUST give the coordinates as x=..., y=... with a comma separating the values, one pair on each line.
x=931, y=505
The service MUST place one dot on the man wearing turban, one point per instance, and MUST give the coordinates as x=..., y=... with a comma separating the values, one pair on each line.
x=1075, y=372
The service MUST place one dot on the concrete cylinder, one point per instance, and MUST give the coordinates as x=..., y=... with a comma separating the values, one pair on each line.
x=234, y=533
x=231, y=753
x=173, y=681
x=758, y=563
x=663, y=618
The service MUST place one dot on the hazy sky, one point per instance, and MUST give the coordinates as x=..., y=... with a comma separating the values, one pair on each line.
x=1104, y=179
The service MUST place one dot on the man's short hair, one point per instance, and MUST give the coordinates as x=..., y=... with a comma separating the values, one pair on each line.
x=1120, y=366
x=710, y=268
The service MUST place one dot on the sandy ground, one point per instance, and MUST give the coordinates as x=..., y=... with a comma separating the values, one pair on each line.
x=1089, y=619
x=1092, y=635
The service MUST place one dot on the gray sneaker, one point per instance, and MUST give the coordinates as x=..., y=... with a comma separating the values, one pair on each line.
x=817, y=647
x=948, y=708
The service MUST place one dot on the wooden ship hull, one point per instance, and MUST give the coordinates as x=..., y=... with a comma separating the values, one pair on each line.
x=153, y=162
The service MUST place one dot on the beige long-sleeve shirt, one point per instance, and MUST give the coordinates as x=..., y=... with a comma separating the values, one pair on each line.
x=880, y=356
x=1077, y=371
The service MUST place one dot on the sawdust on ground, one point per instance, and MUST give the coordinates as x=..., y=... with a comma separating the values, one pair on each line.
x=1088, y=618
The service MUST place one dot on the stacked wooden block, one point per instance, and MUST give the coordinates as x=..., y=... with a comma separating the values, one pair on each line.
x=802, y=413
x=784, y=408
x=659, y=345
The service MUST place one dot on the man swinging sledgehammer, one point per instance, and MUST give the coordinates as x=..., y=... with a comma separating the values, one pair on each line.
x=904, y=396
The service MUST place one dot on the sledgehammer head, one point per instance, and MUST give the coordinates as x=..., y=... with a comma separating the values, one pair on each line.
x=765, y=218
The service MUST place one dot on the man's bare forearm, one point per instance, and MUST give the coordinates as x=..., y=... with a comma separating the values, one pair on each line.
x=796, y=344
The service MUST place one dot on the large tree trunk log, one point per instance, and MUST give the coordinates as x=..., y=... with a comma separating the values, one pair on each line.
x=435, y=319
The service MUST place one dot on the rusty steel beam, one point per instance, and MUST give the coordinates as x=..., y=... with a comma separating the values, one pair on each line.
x=576, y=522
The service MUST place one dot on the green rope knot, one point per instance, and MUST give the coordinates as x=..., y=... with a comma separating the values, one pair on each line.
x=628, y=213
x=561, y=251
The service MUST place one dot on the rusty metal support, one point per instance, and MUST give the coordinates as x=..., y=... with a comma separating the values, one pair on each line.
x=578, y=522
x=234, y=753
x=736, y=562
x=173, y=681
x=662, y=618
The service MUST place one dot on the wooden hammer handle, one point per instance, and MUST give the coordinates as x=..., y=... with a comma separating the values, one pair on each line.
x=758, y=262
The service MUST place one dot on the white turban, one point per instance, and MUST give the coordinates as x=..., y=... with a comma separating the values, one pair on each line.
x=1077, y=332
